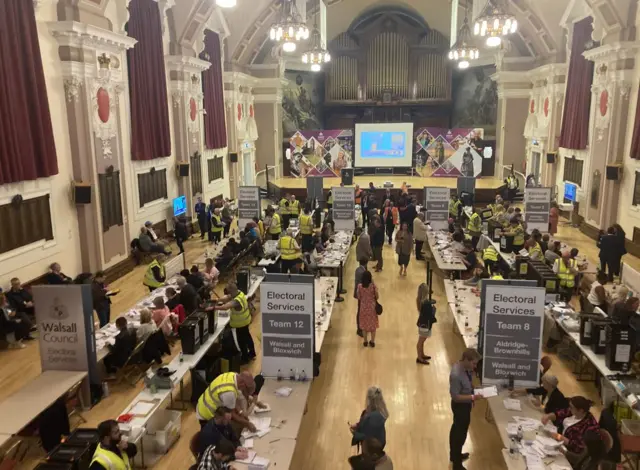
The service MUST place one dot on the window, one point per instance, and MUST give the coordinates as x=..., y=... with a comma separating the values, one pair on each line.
x=110, y=201
x=636, y=190
x=25, y=222
x=215, y=168
x=196, y=173
x=152, y=186
x=573, y=170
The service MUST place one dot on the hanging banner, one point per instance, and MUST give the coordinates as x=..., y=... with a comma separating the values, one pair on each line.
x=436, y=201
x=537, y=203
x=512, y=333
x=248, y=205
x=344, y=207
x=288, y=325
x=65, y=324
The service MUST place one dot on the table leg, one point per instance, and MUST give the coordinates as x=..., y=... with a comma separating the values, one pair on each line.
x=339, y=289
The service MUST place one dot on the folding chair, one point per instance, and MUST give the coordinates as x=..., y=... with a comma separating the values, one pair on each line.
x=132, y=370
x=74, y=404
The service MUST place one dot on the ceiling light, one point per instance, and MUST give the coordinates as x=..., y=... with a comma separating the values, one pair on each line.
x=226, y=3
x=463, y=64
x=316, y=54
x=494, y=22
x=493, y=41
x=316, y=67
x=289, y=46
x=463, y=50
x=290, y=28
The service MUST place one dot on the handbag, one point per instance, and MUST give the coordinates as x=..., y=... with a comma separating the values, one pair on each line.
x=378, y=308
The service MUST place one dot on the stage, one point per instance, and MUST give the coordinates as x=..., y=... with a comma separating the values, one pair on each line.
x=486, y=187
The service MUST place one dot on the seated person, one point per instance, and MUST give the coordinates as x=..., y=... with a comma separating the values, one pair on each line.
x=553, y=253
x=125, y=344
x=195, y=278
x=470, y=259
x=216, y=457
x=597, y=295
x=618, y=298
x=594, y=456
x=624, y=312
x=458, y=242
x=534, y=248
x=373, y=457
x=173, y=299
x=224, y=258
x=327, y=232
x=219, y=429
x=576, y=421
x=544, y=243
x=188, y=296
x=56, y=277
x=152, y=234
x=260, y=225
x=475, y=278
x=19, y=298
x=147, y=244
x=162, y=316
x=234, y=246
x=112, y=451
x=244, y=240
x=14, y=322
x=318, y=244
x=147, y=326
x=210, y=273
x=252, y=231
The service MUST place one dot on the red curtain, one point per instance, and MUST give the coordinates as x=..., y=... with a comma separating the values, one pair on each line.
x=577, y=101
x=150, y=134
x=215, y=131
x=27, y=147
x=635, y=142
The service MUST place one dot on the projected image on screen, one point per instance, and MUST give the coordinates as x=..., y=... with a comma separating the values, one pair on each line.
x=382, y=144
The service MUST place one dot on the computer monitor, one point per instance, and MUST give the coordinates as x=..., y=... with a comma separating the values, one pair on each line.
x=179, y=206
x=570, y=191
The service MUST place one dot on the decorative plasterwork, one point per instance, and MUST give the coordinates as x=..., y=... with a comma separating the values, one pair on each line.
x=86, y=36
x=191, y=65
x=72, y=87
x=613, y=52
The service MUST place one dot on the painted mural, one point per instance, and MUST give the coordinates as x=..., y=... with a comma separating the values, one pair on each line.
x=320, y=153
x=302, y=102
x=475, y=98
x=447, y=152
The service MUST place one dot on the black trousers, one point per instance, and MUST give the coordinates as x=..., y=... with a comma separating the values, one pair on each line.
x=474, y=241
x=202, y=222
x=390, y=229
x=274, y=236
x=459, y=429
x=419, y=244
x=285, y=221
x=245, y=341
x=287, y=265
x=216, y=236
x=307, y=243
x=179, y=242
x=365, y=217
x=227, y=227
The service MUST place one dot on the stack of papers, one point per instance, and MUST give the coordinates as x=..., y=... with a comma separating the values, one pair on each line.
x=487, y=392
x=512, y=404
x=547, y=445
x=284, y=391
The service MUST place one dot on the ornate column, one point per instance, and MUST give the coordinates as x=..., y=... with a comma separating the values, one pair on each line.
x=185, y=86
x=267, y=97
x=513, y=109
x=613, y=75
x=92, y=61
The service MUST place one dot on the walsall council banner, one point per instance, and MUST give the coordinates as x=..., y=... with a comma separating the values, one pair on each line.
x=537, y=203
x=288, y=324
x=436, y=201
x=513, y=318
x=248, y=205
x=344, y=207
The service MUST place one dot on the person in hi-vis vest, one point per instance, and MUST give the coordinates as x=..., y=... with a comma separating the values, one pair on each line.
x=306, y=229
x=112, y=452
x=290, y=253
x=275, y=225
x=241, y=315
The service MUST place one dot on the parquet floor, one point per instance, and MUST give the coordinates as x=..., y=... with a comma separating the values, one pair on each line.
x=417, y=396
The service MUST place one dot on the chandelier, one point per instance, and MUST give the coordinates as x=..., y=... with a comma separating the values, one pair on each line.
x=463, y=50
x=316, y=55
x=290, y=28
x=226, y=3
x=493, y=23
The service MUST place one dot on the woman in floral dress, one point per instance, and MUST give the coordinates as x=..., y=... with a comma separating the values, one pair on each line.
x=367, y=294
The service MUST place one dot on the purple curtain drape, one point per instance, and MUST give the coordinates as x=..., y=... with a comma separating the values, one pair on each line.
x=150, y=134
x=635, y=141
x=215, y=131
x=27, y=147
x=577, y=101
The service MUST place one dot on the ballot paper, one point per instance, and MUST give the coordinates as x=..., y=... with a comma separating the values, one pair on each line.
x=250, y=456
x=260, y=423
x=512, y=404
x=257, y=410
x=248, y=444
x=559, y=466
x=142, y=408
x=487, y=392
x=259, y=463
x=284, y=391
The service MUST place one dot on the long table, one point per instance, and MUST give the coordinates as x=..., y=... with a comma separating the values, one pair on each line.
x=25, y=405
x=454, y=259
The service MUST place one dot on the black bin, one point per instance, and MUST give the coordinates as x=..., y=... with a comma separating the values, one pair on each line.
x=189, y=332
x=55, y=466
x=203, y=325
x=620, y=347
x=599, y=334
x=242, y=280
x=506, y=244
x=79, y=456
x=82, y=436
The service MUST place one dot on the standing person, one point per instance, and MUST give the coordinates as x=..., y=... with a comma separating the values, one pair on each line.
x=294, y=207
x=516, y=230
x=210, y=209
x=404, y=246
x=180, y=232
x=365, y=209
x=426, y=319
x=567, y=270
x=217, y=226
x=306, y=229
x=609, y=253
x=376, y=232
x=554, y=215
x=227, y=218
x=241, y=317
x=408, y=213
x=475, y=227
x=201, y=213
x=455, y=207
x=462, y=400
x=622, y=250
x=367, y=294
x=512, y=185
x=419, y=234
x=372, y=419
x=357, y=195
x=283, y=206
x=360, y=270
x=275, y=227
x=363, y=247
x=329, y=201
x=390, y=218
x=290, y=254
x=112, y=452
x=229, y=390
x=101, y=302
x=155, y=275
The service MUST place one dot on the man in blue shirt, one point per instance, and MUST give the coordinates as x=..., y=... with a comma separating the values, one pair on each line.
x=201, y=212
x=218, y=429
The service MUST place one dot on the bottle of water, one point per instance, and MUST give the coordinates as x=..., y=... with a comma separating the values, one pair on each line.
x=292, y=375
x=303, y=376
x=181, y=357
x=105, y=389
x=513, y=449
x=280, y=376
x=520, y=434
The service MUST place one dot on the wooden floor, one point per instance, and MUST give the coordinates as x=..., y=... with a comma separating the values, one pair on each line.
x=416, y=182
x=417, y=396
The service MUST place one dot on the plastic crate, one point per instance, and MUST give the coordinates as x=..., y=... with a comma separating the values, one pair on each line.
x=630, y=427
x=163, y=429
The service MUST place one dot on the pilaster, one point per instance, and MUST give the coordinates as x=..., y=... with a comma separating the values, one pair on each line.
x=94, y=81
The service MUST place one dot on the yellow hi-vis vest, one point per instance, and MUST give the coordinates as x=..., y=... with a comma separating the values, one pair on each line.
x=210, y=400
x=275, y=228
x=518, y=235
x=286, y=246
x=475, y=223
x=294, y=207
x=110, y=460
x=242, y=317
x=535, y=249
x=149, y=278
x=284, y=208
x=454, y=207
x=261, y=228
x=567, y=278
x=306, y=224
x=490, y=254
x=218, y=221
x=330, y=198
x=497, y=277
